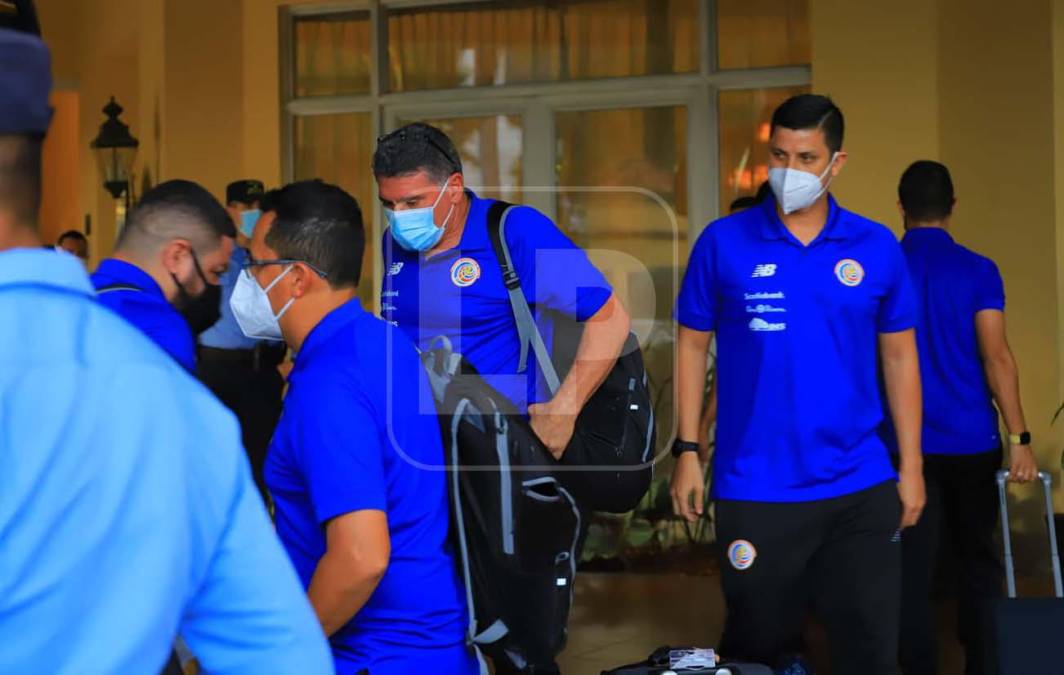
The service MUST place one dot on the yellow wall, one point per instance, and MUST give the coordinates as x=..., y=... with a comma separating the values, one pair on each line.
x=203, y=118
x=262, y=92
x=998, y=143
x=970, y=83
x=878, y=61
x=1058, y=126
x=61, y=156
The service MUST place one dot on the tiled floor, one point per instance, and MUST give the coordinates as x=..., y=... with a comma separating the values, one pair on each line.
x=621, y=618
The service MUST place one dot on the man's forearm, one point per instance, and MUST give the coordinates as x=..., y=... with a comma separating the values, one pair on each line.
x=339, y=589
x=691, y=349
x=901, y=373
x=1003, y=377
x=604, y=337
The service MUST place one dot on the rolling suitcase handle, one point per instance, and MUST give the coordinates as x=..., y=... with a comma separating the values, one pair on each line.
x=1010, y=573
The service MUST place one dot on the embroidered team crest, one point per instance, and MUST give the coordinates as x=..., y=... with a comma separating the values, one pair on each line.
x=464, y=272
x=849, y=272
x=741, y=554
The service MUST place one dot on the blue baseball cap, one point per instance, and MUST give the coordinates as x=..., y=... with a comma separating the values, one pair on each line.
x=25, y=81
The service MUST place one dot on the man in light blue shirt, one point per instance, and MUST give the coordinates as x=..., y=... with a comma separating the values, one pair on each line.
x=127, y=513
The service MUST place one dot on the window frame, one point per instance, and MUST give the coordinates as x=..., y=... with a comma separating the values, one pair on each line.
x=535, y=102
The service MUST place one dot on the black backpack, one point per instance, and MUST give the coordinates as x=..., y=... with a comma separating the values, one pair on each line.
x=609, y=463
x=516, y=529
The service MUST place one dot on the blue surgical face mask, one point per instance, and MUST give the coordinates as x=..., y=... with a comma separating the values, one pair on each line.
x=247, y=221
x=415, y=229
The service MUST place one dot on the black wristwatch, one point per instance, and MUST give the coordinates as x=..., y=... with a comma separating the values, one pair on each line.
x=1023, y=438
x=679, y=447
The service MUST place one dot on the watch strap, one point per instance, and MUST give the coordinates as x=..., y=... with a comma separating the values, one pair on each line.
x=679, y=447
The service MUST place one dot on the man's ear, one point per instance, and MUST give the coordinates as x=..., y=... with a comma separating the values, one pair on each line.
x=456, y=187
x=840, y=161
x=173, y=253
x=303, y=280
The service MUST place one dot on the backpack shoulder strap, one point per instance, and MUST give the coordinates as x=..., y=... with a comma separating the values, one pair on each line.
x=527, y=331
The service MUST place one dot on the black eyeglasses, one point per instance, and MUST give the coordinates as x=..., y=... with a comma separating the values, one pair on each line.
x=402, y=135
x=252, y=262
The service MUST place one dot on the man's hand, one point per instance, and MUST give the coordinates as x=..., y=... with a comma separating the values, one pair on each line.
x=912, y=494
x=687, y=488
x=1022, y=466
x=553, y=423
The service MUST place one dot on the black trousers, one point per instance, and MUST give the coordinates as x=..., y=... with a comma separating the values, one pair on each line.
x=250, y=386
x=839, y=557
x=962, y=505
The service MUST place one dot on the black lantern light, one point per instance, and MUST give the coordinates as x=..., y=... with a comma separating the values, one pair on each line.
x=115, y=149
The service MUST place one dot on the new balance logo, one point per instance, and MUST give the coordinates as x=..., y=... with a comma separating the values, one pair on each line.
x=762, y=271
x=395, y=269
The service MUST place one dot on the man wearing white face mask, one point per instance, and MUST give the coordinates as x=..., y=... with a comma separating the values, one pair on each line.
x=808, y=301
x=358, y=504
x=242, y=371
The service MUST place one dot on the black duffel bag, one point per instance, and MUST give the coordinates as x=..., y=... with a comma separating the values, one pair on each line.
x=609, y=463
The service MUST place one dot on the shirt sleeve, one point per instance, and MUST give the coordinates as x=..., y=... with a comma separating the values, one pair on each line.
x=555, y=273
x=897, y=309
x=339, y=449
x=249, y=612
x=989, y=289
x=696, y=307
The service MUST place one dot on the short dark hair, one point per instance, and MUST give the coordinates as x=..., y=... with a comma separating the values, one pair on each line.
x=319, y=224
x=71, y=234
x=176, y=209
x=926, y=191
x=416, y=147
x=764, y=191
x=812, y=111
x=740, y=203
x=20, y=176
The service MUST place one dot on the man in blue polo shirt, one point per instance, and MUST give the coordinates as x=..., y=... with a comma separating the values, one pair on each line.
x=354, y=471
x=807, y=301
x=176, y=242
x=442, y=277
x=967, y=366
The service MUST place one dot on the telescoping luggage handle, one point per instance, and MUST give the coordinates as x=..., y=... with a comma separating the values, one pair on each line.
x=1010, y=573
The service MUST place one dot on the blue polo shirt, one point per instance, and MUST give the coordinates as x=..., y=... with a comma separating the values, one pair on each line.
x=226, y=333
x=145, y=306
x=459, y=294
x=350, y=439
x=953, y=285
x=797, y=343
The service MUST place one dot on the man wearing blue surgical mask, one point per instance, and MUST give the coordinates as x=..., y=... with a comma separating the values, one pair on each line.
x=442, y=277
x=242, y=371
x=809, y=302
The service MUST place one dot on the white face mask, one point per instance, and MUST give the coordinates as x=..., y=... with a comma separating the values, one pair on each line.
x=796, y=189
x=251, y=307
